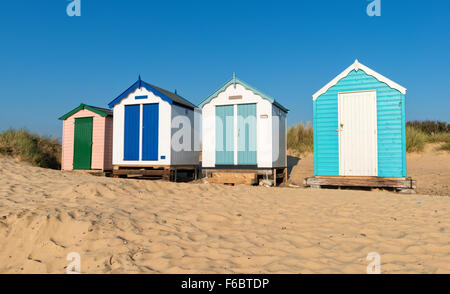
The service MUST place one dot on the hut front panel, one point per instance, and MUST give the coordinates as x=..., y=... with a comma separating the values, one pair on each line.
x=98, y=140
x=164, y=129
x=236, y=95
x=391, y=143
x=279, y=156
x=185, y=136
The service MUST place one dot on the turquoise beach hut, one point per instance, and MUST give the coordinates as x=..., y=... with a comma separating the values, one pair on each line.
x=359, y=127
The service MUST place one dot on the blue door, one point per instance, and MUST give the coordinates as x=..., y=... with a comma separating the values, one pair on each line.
x=247, y=134
x=225, y=135
x=131, y=135
x=150, y=131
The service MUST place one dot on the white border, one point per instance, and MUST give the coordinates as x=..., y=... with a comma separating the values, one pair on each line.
x=357, y=66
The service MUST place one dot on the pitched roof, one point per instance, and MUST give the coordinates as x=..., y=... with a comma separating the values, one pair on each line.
x=357, y=66
x=100, y=111
x=162, y=93
x=235, y=80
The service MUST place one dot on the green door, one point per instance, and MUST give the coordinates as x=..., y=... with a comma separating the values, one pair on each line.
x=82, y=153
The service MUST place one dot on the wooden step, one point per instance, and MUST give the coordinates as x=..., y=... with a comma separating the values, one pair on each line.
x=371, y=182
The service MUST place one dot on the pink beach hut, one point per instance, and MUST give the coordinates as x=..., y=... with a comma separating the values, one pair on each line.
x=87, y=139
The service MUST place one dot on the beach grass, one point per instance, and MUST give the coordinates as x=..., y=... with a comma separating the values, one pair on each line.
x=415, y=139
x=25, y=146
x=419, y=133
x=300, y=138
x=445, y=147
x=430, y=127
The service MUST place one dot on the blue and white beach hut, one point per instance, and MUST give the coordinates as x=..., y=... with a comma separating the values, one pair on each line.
x=154, y=129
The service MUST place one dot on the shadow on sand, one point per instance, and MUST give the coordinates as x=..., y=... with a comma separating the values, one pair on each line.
x=291, y=162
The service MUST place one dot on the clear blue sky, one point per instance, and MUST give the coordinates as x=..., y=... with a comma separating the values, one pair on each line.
x=51, y=62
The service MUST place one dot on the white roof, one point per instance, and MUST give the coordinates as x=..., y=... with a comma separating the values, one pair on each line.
x=357, y=66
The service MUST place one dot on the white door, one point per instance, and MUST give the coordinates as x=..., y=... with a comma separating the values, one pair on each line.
x=358, y=151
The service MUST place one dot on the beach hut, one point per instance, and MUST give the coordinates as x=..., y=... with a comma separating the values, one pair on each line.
x=359, y=131
x=156, y=133
x=87, y=139
x=243, y=135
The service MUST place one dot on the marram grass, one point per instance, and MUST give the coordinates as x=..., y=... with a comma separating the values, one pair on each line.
x=25, y=146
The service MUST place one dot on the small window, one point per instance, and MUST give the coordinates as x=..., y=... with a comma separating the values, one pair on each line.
x=141, y=97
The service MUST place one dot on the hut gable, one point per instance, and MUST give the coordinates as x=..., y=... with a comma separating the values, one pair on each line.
x=237, y=83
x=97, y=110
x=139, y=85
x=355, y=67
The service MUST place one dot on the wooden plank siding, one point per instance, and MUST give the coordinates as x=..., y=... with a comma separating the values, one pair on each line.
x=390, y=126
x=107, y=165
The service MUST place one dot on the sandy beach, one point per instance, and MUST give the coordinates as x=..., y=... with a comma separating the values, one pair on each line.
x=138, y=226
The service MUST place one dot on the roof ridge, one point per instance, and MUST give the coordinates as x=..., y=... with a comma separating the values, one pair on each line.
x=102, y=108
x=246, y=85
x=100, y=111
x=176, y=94
x=164, y=94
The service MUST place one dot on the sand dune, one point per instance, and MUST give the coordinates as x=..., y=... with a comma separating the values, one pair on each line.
x=133, y=226
x=431, y=169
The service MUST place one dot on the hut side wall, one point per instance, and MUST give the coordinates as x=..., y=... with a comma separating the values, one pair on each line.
x=183, y=125
x=108, y=143
x=279, y=156
x=390, y=126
